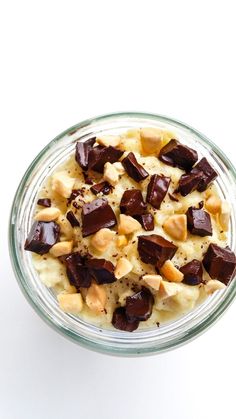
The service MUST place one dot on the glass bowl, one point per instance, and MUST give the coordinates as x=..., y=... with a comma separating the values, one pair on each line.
x=140, y=342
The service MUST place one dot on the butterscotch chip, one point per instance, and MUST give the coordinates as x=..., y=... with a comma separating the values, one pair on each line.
x=151, y=140
x=128, y=224
x=123, y=267
x=170, y=272
x=61, y=248
x=48, y=214
x=70, y=303
x=176, y=226
x=153, y=281
x=96, y=298
x=102, y=239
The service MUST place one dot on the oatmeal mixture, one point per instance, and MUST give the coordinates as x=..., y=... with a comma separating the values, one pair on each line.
x=131, y=231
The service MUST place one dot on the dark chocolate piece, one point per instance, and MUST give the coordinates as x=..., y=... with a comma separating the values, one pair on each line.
x=173, y=198
x=42, y=236
x=121, y=322
x=220, y=263
x=73, y=195
x=82, y=150
x=78, y=274
x=189, y=182
x=132, y=202
x=155, y=249
x=100, y=155
x=87, y=179
x=208, y=173
x=72, y=219
x=199, y=222
x=157, y=189
x=146, y=221
x=176, y=154
x=104, y=187
x=139, y=306
x=102, y=270
x=96, y=215
x=44, y=202
x=192, y=272
x=133, y=168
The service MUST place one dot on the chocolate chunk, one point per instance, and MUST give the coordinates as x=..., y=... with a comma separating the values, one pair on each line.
x=157, y=189
x=155, y=249
x=96, y=215
x=104, y=187
x=121, y=322
x=208, y=173
x=173, y=198
x=133, y=168
x=87, y=179
x=82, y=150
x=199, y=222
x=192, y=272
x=139, y=306
x=99, y=155
x=146, y=221
x=132, y=202
x=78, y=274
x=102, y=270
x=176, y=154
x=44, y=202
x=189, y=182
x=220, y=263
x=74, y=194
x=42, y=236
x=72, y=219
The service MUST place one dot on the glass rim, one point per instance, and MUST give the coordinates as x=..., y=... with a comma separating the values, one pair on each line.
x=193, y=331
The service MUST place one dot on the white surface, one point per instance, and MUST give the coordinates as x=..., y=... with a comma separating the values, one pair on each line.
x=63, y=62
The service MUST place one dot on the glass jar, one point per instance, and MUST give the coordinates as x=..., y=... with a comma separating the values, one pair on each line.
x=140, y=342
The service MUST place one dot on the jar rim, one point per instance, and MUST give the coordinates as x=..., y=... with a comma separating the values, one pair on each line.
x=142, y=342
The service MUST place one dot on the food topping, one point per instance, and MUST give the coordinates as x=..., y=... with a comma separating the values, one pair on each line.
x=96, y=298
x=128, y=224
x=170, y=272
x=102, y=270
x=220, y=263
x=61, y=248
x=157, y=189
x=99, y=155
x=121, y=322
x=192, y=272
x=199, y=222
x=176, y=226
x=155, y=250
x=176, y=154
x=110, y=174
x=104, y=187
x=82, y=152
x=208, y=173
x=189, y=182
x=44, y=202
x=133, y=168
x=42, y=236
x=102, y=239
x=139, y=306
x=70, y=303
x=48, y=214
x=72, y=219
x=151, y=140
x=132, y=203
x=96, y=215
x=146, y=221
x=123, y=267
